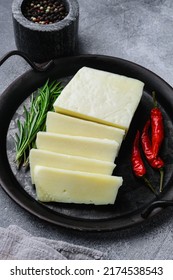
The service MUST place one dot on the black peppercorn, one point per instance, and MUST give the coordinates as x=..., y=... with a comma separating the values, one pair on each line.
x=44, y=12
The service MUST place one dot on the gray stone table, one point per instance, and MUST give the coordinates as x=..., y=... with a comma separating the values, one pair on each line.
x=140, y=31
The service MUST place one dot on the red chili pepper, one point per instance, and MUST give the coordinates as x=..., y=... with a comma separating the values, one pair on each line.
x=157, y=128
x=157, y=133
x=155, y=162
x=138, y=164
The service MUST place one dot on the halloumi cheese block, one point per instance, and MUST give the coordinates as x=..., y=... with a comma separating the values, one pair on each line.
x=58, y=185
x=101, y=96
x=62, y=161
x=101, y=149
x=59, y=123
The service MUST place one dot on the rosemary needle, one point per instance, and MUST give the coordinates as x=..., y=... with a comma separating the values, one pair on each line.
x=34, y=120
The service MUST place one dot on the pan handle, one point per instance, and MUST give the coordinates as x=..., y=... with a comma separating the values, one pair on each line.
x=36, y=67
x=154, y=205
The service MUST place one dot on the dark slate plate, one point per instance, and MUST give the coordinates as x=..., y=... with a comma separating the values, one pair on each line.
x=134, y=198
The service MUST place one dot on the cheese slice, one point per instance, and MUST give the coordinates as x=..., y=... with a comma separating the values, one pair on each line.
x=101, y=96
x=62, y=161
x=59, y=123
x=58, y=185
x=101, y=149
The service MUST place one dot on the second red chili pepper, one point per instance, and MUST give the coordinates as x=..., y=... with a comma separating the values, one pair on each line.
x=138, y=164
x=155, y=161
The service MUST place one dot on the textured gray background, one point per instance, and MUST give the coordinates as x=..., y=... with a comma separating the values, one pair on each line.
x=137, y=30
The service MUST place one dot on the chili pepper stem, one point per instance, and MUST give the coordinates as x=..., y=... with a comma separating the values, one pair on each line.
x=154, y=99
x=161, y=179
x=149, y=185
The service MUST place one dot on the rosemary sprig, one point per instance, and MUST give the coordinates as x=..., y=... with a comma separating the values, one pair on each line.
x=35, y=120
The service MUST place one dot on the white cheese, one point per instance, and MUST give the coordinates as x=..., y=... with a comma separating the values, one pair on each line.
x=62, y=161
x=101, y=96
x=59, y=123
x=100, y=149
x=57, y=185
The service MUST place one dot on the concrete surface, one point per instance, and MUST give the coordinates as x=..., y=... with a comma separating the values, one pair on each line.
x=140, y=31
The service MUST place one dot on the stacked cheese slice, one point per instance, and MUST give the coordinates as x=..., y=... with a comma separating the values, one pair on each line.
x=74, y=159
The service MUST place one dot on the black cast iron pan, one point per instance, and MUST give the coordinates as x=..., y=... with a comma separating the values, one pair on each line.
x=135, y=202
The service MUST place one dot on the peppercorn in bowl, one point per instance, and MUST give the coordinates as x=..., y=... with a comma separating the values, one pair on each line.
x=44, y=12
